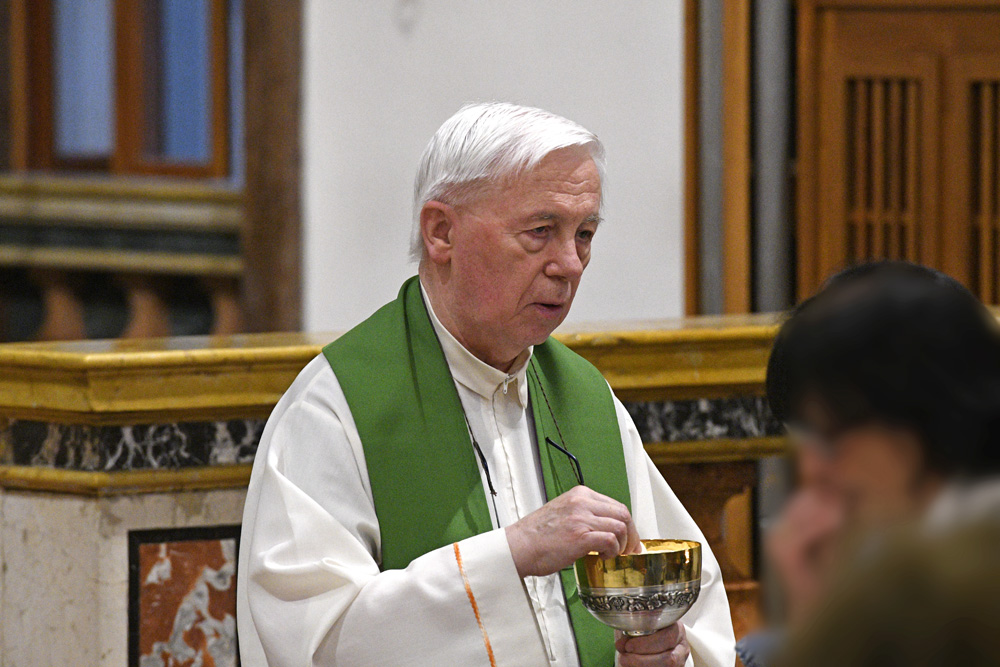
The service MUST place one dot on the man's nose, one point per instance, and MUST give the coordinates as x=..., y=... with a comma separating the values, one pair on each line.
x=565, y=262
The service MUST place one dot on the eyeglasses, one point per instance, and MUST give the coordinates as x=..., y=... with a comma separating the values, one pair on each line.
x=577, y=468
x=820, y=439
x=576, y=462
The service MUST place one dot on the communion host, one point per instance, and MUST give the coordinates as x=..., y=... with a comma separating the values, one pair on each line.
x=422, y=488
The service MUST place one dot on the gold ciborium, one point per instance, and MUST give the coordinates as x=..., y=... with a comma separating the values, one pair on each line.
x=645, y=592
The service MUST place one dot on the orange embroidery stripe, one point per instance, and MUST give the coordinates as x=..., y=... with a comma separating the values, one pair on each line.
x=475, y=607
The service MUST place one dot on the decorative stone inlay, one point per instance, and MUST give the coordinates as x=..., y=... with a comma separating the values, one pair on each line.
x=135, y=447
x=209, y=443
x=182, y=592
x=704, y=419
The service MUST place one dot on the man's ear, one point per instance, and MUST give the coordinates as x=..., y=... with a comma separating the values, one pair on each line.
x=437, y=223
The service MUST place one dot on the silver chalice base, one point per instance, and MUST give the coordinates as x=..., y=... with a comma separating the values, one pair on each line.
x=642, y=610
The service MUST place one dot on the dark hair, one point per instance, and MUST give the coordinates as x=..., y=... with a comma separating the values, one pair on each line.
x=902, y=345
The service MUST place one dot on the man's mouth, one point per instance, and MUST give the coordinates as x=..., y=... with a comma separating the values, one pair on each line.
x=553, y=308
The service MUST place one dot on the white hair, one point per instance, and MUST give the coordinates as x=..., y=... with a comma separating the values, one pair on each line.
x=489, y=144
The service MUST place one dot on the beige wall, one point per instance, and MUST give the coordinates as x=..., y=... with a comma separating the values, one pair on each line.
x=380, y=77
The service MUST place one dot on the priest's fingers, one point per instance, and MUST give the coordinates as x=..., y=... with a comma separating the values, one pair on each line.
x=609, y=507
x=661, y=641
x=605, y=544
x=667, y=647
x=617, y=528
x=605, y=506
x=675, y=658
x=618, y=511
x=628, y=538
x=568, y=527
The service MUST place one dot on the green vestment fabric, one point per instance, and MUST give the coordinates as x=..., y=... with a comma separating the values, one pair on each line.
x=425, y=481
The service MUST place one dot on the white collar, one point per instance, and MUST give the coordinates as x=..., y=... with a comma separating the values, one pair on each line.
x=475, y=374
x=960, y=502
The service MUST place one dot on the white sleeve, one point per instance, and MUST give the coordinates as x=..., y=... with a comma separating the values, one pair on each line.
x=310, y=591
x=659, y=514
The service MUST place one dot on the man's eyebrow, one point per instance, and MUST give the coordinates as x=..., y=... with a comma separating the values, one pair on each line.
x=594, y=218
x=543, y=215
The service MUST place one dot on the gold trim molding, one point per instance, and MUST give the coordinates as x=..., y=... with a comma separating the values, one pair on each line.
x=102, y=484
x=728, y=450
x=53, y=186
x=130, y=261
x=129, y=382
x=192, y=379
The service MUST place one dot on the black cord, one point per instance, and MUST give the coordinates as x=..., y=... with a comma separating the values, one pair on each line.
x=550, y=441
x=486, y=467
x=552, y=414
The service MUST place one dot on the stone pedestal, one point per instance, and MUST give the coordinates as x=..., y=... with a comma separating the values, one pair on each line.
x=64, y=588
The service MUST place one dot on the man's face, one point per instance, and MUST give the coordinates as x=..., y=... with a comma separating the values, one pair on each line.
x=877, y=470
x=880, y=470
x=517, y=256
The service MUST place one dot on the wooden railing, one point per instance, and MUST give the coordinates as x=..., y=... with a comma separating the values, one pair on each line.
x=91, y=258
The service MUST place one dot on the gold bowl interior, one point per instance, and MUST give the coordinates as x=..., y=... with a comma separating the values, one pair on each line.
x=662, y=562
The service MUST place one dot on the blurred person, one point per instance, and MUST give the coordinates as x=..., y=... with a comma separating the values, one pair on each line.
x=803, y=543
x=413, y=500
x=801, y=546
x=893, y=372
x=929, y=597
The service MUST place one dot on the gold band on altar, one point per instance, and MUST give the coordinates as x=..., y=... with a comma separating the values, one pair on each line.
x=128, y=382
x=124, y=482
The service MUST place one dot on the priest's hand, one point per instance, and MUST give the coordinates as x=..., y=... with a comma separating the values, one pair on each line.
x=664, y=648
x=569, y=527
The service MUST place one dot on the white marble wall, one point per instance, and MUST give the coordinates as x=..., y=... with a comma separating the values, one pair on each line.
x=64, y=565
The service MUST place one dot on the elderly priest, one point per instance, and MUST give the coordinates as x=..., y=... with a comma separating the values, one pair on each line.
x=416, y=498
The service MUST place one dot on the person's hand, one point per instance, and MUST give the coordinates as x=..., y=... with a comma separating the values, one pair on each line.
x=664, y=648
x=802, y=545
x=569, y=527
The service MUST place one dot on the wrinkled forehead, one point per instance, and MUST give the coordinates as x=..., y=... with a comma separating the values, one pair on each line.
x=567, y=173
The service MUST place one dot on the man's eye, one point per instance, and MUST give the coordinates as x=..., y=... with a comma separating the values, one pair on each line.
x=585, y=234
x=540, y=231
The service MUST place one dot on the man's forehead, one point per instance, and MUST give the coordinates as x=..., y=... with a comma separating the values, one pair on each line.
x=565, y=177
x=546, y=190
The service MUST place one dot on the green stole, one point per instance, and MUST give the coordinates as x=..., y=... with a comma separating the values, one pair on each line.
x=424, y=475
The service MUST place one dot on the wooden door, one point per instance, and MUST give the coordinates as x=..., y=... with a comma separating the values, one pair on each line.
x=877, y=168
x=899, y=114
x=970, y=156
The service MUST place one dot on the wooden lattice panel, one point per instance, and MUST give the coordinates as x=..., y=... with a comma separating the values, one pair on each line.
x=971, y=189
x=877, y=136
x=883, y=170
x=899, y=138
x=983, y=192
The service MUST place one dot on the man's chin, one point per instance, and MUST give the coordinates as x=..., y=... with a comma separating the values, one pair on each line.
x=541, y=333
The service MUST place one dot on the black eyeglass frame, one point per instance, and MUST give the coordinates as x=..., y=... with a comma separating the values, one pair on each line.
x=577, y=468
x=823, y=440
x=576, y=462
